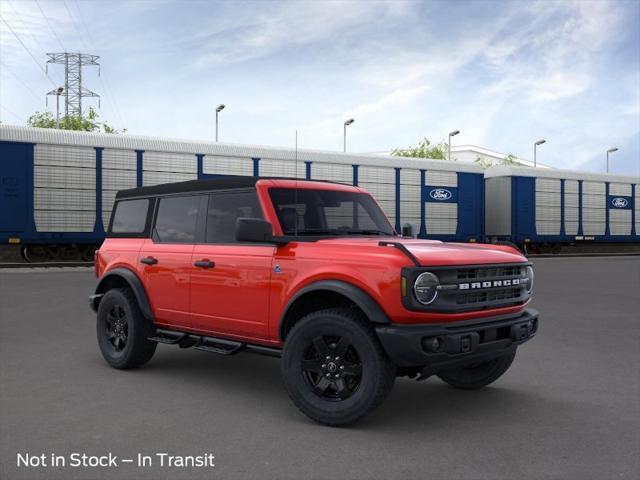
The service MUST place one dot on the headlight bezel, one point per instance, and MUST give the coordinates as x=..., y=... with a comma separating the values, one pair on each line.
x=529, y=273
x=432, y=281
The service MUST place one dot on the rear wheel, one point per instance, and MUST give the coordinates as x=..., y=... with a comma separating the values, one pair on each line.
x=334, y=368
x=480, y=375
x=123, y=331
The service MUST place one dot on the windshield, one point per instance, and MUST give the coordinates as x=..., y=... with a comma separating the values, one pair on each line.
x=328, y=212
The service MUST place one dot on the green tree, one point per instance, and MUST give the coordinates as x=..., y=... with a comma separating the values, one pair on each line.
x=424, y=149
x=510, y=160
x=88, y=123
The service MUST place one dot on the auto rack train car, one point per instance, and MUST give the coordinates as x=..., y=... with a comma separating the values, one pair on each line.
x=57, y=187
x=548, y=208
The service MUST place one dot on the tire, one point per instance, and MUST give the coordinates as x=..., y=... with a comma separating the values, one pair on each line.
x=334, y=368
x=122, y=330
x=478, y=376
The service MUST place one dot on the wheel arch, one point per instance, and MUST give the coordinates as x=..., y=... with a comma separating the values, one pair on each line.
x=123, y=278
x=330, y=293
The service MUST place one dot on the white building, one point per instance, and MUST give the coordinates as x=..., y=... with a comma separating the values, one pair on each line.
x=470, y=153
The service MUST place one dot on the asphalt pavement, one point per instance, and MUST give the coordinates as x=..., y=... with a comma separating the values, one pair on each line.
x=569, y=407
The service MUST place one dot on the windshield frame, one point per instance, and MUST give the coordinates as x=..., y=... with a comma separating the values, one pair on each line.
x=375, y=214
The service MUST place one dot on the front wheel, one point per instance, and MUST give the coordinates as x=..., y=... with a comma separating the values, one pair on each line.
x=480, y=375
x=334, y=368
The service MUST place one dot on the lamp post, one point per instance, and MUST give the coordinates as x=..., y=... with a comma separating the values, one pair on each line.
x=535, y=152
x=59, y=91
x=219, y=108
x=611, y=150
x=452, y=134
x=344, y=136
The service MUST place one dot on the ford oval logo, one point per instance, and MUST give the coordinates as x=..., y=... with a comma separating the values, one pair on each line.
x=440, y=194
x=619, y=202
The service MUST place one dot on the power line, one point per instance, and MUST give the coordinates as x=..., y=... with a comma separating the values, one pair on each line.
x=75, y=27
x=24, y=25
x=20, y=81
x=28, y=51
x=50, y=27
x=106, y=84
x=10, y=112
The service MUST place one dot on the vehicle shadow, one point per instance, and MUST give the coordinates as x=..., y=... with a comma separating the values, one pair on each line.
x=411, y=406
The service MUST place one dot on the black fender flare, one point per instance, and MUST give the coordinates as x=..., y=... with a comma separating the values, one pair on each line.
x=134, y=283
x=359, y=297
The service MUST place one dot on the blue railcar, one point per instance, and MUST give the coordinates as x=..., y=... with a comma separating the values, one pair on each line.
x=558, y=207
x=57, y=187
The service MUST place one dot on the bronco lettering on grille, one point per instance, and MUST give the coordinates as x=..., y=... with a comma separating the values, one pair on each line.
x=490, y=284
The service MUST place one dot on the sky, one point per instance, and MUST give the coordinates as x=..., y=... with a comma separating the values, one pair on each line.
x=504, y=73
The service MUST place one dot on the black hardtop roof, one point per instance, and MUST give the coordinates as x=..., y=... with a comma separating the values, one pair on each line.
x=190, y=186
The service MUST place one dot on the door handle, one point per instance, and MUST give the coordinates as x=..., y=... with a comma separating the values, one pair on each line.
x=204, y=264
x=149, y=260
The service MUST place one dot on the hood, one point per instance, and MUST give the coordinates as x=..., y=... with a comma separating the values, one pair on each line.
x=435, y=252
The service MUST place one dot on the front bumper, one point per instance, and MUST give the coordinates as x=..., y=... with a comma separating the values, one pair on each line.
x=452, y=345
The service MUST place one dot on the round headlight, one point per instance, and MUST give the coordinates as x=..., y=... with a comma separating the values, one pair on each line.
x=425, y=288
x=529, y=274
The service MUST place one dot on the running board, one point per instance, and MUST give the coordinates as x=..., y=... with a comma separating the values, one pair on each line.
x=221, y=346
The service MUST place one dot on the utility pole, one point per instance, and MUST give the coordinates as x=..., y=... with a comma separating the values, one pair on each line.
x=451, y=134
x=219, y=108
x=73, y=90
x=344, y=133
x=611, y=150
x=535, y=152
x=59, y=90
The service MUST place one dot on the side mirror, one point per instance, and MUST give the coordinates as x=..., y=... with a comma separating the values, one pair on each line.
x=407, y=230
x=253, y=230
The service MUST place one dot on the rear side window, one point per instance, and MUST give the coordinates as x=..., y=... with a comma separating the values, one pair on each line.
x=130, y=216
x=176, y=219
x=224, y=209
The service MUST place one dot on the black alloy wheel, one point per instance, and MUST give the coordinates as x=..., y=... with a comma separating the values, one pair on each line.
x=117, y=326
x=123, y=331
x=332, y=367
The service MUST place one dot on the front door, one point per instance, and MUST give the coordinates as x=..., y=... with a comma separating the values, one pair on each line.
x=165, y=259
x=230, y=281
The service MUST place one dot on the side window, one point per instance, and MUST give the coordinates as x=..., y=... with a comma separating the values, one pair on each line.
x=224, y=209
x=130, y=216
x=176, y=219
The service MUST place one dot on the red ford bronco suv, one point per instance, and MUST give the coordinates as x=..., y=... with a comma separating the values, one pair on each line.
x=311, y=272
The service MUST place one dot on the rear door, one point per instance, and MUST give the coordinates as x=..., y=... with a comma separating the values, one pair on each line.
x=230, y=281
x=165, y=258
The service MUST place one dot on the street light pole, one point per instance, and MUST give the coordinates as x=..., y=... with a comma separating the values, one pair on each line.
x=59, y=91
x=344, y=133
x=535, y=152
x=611, y=150
x=219, y=108
x=452, y=134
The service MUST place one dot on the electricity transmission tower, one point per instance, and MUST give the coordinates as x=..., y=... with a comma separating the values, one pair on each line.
x=74, y=92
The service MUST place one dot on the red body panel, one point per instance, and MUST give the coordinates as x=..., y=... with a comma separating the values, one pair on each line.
x=246, y=294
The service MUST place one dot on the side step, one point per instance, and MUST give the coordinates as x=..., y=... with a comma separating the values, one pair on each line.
x=168, y=336
x=221, y=346
x=218, y=345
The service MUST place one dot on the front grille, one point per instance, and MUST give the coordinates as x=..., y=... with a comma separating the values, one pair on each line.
x=472, y=288
x=503, y=294
x=493, y=272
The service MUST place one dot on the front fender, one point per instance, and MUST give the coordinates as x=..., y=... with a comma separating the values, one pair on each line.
x=362, y=299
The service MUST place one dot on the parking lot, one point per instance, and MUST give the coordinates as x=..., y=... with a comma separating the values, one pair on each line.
x=569, y=408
